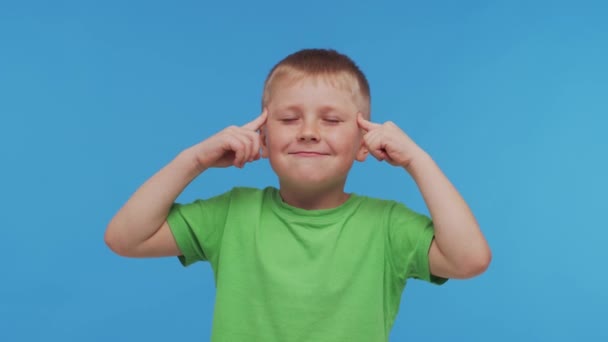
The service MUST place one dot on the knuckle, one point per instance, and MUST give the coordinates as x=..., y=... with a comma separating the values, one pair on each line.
x=237, y=145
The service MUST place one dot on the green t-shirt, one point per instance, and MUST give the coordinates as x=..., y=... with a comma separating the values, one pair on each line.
x=287, y=274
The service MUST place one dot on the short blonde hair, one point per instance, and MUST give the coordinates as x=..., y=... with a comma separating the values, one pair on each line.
x=330, y=65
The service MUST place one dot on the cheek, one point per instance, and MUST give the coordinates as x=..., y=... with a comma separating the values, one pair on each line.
x=276, y=137
x=344, y=139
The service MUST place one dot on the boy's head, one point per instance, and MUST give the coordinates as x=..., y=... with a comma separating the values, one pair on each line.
x=324, y=65
x=311, y=136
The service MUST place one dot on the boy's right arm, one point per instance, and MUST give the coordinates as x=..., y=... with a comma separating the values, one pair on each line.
x=140, y=228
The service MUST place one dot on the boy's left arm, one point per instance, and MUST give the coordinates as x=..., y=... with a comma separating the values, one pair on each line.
x=459, y=249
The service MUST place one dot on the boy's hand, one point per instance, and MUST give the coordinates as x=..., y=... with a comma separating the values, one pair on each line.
x=232, y=146
x=388, y=142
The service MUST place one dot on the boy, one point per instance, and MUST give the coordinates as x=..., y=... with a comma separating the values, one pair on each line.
x=307, y=261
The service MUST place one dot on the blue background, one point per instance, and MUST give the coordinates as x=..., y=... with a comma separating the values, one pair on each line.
x=510, y=98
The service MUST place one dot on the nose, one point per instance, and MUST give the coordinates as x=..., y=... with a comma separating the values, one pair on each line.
x=308, y=131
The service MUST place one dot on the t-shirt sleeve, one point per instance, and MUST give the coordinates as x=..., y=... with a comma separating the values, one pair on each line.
x=198, y=227
x=410, y=237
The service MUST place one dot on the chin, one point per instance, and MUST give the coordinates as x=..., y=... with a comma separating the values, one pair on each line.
x=308, y=177
x=309, y=182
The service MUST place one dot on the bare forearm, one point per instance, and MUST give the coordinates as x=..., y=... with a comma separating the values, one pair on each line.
x=147, y=209
x=457, y=232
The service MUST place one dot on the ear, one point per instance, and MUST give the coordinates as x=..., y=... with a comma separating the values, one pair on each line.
x=362, y=152
x=264, y=142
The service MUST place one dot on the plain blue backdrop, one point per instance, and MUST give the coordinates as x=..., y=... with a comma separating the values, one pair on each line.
x=509, y=97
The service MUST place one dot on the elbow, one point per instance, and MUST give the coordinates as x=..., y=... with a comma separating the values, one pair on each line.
x=115, y=243
x=477, y=264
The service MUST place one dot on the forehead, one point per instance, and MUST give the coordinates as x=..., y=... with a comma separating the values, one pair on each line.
x=322, y=90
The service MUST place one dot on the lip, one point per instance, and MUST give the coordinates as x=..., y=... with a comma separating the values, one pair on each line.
x=308, y=154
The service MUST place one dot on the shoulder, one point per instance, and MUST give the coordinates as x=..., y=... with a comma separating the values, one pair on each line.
x=239, y=195
x=250, y=192
x=378, y=205
x=245, y=191
x=388, y=208
x=249, y=196
x=235, y=194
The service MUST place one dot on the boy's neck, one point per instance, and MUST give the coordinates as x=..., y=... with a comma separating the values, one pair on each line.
x=314, y=199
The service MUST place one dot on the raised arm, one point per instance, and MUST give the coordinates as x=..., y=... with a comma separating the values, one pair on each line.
x=140, y=229
x=459, y=249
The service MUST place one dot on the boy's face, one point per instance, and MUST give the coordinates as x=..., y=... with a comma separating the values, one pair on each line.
x=311, y=136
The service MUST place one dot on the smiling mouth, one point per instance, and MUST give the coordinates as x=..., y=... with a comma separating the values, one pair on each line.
x=308, y=154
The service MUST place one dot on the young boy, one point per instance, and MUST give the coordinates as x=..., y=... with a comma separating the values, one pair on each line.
x=307, y=261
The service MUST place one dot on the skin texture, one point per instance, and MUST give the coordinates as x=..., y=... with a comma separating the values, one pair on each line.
x=459, y=249
x=312, y=139
x=312, y=132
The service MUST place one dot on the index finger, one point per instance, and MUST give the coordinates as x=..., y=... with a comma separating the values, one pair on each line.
x=365, y=124
x=258, y=122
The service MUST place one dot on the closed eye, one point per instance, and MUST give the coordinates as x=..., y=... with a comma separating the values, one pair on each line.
x=288, y=120
x=332, y=120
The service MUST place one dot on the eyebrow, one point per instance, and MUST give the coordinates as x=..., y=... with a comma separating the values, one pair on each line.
x=292, y=108
x=327, y=109
x=323, y=109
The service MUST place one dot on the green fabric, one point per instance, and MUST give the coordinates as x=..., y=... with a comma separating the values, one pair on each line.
x=287, y=274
